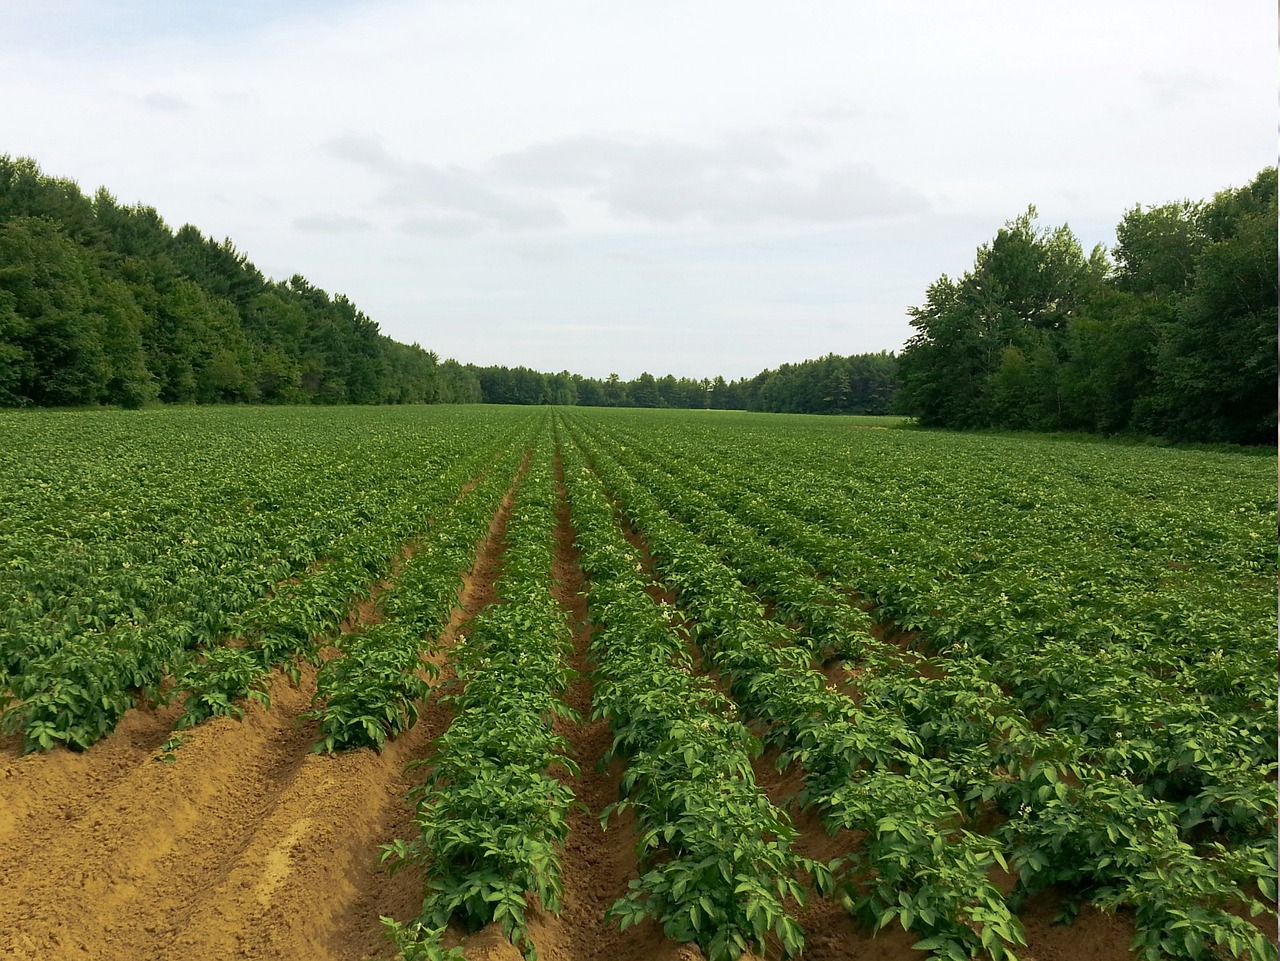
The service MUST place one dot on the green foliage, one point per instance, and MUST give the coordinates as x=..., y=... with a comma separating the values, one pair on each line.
x=935, y=881
x=1107, y=838
x=858, y=384
x=134, y=554
x=1060, y=656
x=104, y=304
x=1177, y=339
x=225, y=676
x=491, y=819
x=1096, y=627
x=716, y=857
x=372, y=690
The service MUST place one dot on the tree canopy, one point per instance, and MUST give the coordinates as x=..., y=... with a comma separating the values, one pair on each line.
x=1173, y=335
x=102, y=303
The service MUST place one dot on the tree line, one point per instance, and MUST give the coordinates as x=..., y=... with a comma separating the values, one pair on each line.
x=858, y=384
x=1172, y=334
x=102, y=303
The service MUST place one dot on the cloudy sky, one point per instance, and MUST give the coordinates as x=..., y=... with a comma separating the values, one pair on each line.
x=698, y=187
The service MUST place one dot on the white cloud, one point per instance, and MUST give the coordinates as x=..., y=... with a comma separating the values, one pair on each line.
x=442, y=227
x=166, y=103
x=444, y=188
x=1177, y=88
x=331, y=224
x=705, y=171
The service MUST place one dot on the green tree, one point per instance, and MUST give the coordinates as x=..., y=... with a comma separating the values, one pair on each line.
x=55, y=338
x=1215, y=370
x=1024, y=287
x=643, y=391
x=1157, y=248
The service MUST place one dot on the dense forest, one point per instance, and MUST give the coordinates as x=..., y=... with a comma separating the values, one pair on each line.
x=1173, y=336
x=102, y=303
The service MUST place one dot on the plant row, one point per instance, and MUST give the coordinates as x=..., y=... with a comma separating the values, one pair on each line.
x=491, y=816
x=716, y=857
x=74, y=691
x=151, y=529
x=864, y=770
x=1192, y=732
x=371, y=689
x=1053, y=785
x=832, y=624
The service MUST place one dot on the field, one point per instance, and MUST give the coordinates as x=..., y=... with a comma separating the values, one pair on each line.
x=629, y=684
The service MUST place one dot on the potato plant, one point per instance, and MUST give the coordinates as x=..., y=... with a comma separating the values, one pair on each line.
x=491, y=815
x=716, y=857
x=1090, y=622
x=370, y=691
x=864, y=770
x=171, y=532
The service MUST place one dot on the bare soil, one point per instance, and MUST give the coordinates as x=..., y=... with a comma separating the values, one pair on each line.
x=247, y=845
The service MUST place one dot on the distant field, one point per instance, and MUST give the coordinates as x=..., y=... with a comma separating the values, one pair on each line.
x=841, y=679
x=832, y=420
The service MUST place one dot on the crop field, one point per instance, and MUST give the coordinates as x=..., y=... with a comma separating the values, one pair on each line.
x=579, y=684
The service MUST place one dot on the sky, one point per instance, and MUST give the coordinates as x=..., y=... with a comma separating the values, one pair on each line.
x=701, y=188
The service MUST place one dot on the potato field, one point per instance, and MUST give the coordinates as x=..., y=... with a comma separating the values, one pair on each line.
x=574, y=684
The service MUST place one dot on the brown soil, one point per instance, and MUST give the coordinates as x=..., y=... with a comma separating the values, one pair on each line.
x=598, y=863
x=245, y=846
x=367, y=612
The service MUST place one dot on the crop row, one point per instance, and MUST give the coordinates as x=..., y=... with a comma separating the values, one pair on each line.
x=270, y=571
x=1142, y=707
x=371, y=689
x=716, y=857
x=864, y=770
x=1052, y=790
x=291, y=623
x=491, y=816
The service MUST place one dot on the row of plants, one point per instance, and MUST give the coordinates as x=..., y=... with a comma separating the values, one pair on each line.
x=273, y=594
x=491, y=815
x=370, y=690
x=832, y=623
x=1053, y=781
x=717, y=862
x=140, y=529
x=79, y=692
x=865, y=769
x=1188, y=724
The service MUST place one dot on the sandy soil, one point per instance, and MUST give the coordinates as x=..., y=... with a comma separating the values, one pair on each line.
x=247, y=845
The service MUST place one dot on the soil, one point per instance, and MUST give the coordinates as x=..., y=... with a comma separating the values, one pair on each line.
x=246, y=845
x=249, y=846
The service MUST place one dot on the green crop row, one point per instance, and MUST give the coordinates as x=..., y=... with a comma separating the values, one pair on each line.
x=833, y=625
x=716, y=857
x=267, y=546
x=369, y=692
x=864, y=770
x=491, y=816
x=1055, y=785
x=1191, y=731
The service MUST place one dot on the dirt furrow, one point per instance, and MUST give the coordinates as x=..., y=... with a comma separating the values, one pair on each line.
x=43, y=792
x=247, y=845
x=58, y=786
x=87, y=887
x=310, y=885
